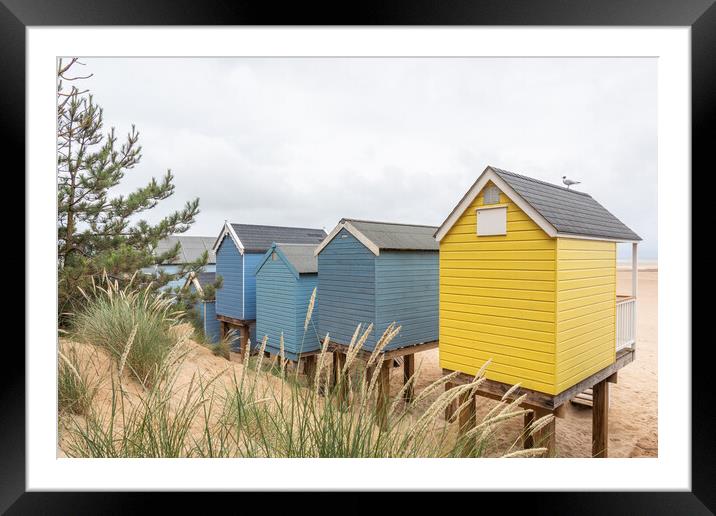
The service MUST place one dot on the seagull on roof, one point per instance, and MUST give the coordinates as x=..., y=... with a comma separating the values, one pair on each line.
x=569, y=182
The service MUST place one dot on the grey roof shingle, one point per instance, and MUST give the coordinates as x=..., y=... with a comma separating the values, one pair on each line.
x=569, y=211
x=206, y=278
x=301, y=257
x=398, y=237
x=259, y=238
x=191, y=248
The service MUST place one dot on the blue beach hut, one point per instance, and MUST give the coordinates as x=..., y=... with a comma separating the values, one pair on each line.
x=239, y=249
x=285, y=279
x=380, y=273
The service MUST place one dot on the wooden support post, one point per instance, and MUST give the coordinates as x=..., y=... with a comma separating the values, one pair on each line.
x=383, y=393
x=547, y=436
x=335, y=368
x=244, y=340
x=452, y=407
x=370, y=371
x=527, y=439
x=222, y=329
x=309, y=368
x=339, y=360
x=467, y=418
x=600, y=419
x=408, y=372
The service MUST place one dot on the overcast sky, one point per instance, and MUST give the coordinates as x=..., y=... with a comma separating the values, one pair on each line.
x=305, y=142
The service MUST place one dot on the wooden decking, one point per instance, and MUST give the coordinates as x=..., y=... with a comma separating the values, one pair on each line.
x=235, y=322
x=226, y=322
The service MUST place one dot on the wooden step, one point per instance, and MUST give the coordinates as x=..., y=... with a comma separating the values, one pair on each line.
x=584, y=398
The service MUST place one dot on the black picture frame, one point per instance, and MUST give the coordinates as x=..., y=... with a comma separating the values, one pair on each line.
x=700, y=15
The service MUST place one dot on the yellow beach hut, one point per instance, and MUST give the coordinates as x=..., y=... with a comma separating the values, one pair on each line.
x=528, y=280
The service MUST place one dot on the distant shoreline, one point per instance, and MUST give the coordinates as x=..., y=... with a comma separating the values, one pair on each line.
x=644, y=267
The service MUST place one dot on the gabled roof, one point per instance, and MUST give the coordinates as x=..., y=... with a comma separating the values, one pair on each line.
x=378, y=236
x=200, y=280
x=559, y=211
x=300, y=258
x=254, y=238
x=191, y=248
x=206, y=278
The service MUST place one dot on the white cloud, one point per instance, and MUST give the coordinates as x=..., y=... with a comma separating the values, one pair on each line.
x=308, y=141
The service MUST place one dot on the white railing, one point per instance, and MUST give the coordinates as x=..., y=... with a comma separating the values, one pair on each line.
x=626, y=323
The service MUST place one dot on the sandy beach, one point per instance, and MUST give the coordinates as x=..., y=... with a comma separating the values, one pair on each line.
x=633, y=400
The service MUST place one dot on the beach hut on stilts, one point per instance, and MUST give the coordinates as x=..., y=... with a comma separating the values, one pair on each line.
x=239, y=249
x=528, y=281
x=286, y=286
x=379, y=273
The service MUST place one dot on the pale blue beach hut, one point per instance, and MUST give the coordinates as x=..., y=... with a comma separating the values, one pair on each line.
x=285, y=280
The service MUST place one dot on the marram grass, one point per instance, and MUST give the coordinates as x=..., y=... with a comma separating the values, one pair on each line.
x=265, y=409
x=75, y=391
x=111, y=316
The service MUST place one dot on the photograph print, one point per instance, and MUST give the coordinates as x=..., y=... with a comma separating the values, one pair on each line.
x=357, y=257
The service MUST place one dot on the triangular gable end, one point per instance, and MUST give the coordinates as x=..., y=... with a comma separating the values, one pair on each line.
x=227, y=230
x=275, y=249
x=489, y=175
x=353, y=231
x=193, y=280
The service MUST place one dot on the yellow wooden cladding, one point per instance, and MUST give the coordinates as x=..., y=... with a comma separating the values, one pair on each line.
x=586, y=316
x=542, y=309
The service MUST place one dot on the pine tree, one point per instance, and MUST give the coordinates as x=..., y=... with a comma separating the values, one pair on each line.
x=97, y=231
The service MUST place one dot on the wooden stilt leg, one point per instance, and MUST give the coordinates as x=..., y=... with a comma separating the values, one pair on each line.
x=546, y=437
x=600, y=419
x=244, y=340
x=408, y=372
x=339, y=360
x=335, y=368
x=527, y=439
x=452, y=408
x=466, y=420
x=369, y=374
x=309, y=368
x=383, y=393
